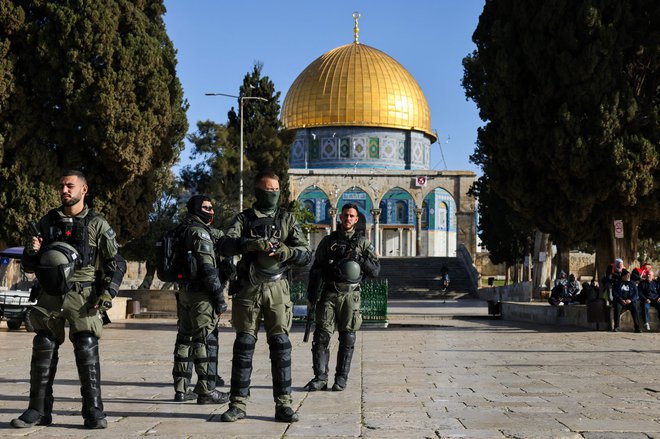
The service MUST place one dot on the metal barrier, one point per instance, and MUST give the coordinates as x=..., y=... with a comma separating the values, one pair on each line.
x=373, y=305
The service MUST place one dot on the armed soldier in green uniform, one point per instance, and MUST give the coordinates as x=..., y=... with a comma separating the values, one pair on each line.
x=69, y=243
x=270, y=240
x=200, y=303
x=341, y=260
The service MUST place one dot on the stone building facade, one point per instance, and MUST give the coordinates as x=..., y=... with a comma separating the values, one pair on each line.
x=363, y=135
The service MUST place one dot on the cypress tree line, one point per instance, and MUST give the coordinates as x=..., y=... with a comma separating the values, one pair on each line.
x=218, y=146
x=569, y=93
x=89, y=86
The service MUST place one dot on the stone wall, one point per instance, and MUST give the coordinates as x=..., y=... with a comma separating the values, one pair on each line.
x=581, y=264
x=519, y=292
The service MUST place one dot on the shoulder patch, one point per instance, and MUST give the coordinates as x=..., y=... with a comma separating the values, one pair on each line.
x=205, y=235
x=110, y=233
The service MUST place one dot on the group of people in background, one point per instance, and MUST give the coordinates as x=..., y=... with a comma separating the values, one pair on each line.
x=621, y=288
x=567, y=291
x=626, y=290
x=74, y=253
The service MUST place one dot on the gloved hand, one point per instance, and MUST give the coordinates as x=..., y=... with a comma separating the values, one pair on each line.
x=219, y=304
x=312, y=298
x=357, y=258
x=103, y=301
x=283, y=252
x=256, y=245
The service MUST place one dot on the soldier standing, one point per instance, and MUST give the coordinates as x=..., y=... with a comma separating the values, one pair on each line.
x=341, y=259
x=71, y=240
x=200, y=303
x=270, y=241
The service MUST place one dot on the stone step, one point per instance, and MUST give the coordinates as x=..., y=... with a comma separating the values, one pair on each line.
x=420, y=277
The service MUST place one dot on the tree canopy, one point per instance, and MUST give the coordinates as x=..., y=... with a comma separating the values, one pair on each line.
x=569, y=93
x=89, y=86
x=218, y=146
x=507, y=236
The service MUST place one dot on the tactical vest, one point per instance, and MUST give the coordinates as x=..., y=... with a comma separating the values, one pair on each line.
x=266, y=227
x=75, y=232
x=262, y=268
x=341, y=268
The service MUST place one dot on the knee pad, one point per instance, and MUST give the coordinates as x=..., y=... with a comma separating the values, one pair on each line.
x=212, y=338
x=279, y=342
x=245, y=339
x=321, y=339
x=43, y=342
x=85, y=340
x=86, y=348
x=347, y=338
x=244, y=349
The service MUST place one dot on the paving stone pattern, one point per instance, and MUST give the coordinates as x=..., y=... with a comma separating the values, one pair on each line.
x=458, y=376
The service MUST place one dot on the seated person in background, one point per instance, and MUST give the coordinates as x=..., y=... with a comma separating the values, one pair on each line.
x=649, y=296
x=559, y=295
x=612, y=277
x=588, y=292
x=625, y=296
x=573, y=290
x=561, y=279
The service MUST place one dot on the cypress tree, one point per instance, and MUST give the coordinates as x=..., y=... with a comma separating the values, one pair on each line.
x=569, y=93
x=93, y=87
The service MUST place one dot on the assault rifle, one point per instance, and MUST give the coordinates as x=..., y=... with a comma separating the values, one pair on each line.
x=311, y=308
x=314, y=291
x=34, y=229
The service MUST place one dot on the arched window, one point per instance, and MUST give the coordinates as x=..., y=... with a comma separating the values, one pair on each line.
x=443, y=224
x=425, y=216
x=310, y=206
x=401, y=212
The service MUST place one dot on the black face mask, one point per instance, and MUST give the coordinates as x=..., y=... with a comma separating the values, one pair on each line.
x=194, y=206
x=266, y=200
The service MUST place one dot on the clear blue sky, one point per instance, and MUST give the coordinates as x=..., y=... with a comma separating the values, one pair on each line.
x=219, y=41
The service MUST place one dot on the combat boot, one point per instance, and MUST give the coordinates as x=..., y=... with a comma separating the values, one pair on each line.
x=214, y=397
x=344, y=357
x=320, y=358
x=316, y=384
x=233, y=414
x=184, y=396
x=285, y=414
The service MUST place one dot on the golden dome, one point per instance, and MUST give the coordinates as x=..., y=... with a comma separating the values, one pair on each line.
x=356, y=85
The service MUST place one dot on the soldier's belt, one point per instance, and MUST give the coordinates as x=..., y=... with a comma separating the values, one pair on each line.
x=343, y=287
x=257, y=277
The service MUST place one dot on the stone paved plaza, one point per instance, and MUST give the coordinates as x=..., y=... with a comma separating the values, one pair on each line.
x=439, y=371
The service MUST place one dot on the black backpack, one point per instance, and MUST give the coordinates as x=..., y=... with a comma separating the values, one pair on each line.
x=173, y=261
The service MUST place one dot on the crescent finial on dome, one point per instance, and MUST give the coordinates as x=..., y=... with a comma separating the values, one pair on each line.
x=356, y=29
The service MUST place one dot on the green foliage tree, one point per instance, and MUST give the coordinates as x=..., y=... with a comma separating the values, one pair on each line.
x=569, y=93
x=266, y=145
x=166, y=213
x=507, y=236
x=217, y=146
x=89, y=86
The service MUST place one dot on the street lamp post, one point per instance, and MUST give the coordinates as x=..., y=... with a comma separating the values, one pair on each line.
x=240, y=172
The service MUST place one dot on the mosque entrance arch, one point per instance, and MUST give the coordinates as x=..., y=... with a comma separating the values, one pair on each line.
x=439, y=234
x=316, y=201
x=397, y=223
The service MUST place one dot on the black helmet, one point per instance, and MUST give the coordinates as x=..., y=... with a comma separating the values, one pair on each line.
x=349, y=271
x=57, y=263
